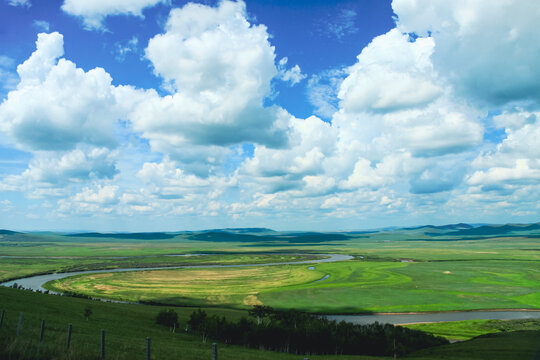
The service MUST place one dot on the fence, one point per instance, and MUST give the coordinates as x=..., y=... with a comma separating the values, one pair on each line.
x=102, y=343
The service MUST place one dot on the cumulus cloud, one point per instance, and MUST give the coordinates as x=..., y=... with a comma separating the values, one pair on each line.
x=65, y=117
x=100, y=199
x=403, y=129
x=57, y=105
x=50, y=172
x=516, y=159
x=312, y=141
x=489, y=51
x=219, y=69
x=93, y=13
x=391, y=74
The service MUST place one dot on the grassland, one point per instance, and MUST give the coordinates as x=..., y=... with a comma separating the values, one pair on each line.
x=13, y=268
x=446, y=269
x=468, y=329
x=127, y=327
x=353, y=286
x=522, y=345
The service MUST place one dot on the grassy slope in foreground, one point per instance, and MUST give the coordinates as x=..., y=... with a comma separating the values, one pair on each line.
x=353, y=286
x=126, y=326
x=517, y=345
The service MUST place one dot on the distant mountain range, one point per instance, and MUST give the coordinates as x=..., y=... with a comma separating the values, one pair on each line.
x=495, y=229
x=459, y=226
x=450, y=231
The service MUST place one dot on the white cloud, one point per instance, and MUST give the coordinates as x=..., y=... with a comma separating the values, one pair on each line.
x=65, y=117
x=322, y=91
x=6, y=205
x=312, y=141
x=41, y=25
x=57, y=105
x=219, y=68
x=488, y=50
x=121, y=50
x=94, y=12
x=521, y=173
x=8, y=75
x=49, y=173
x=293, y=75
x=391, y=74
x=515, y=160
x=438, y=129
x=404, y=134
x=514, y=120
x=23, y=3
x=91, y=201
x=342, y=24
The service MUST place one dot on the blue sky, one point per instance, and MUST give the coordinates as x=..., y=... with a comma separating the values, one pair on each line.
x=168, y=115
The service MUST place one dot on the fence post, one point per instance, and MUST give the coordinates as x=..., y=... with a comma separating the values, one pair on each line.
x=19, y=325
x=68, y=340
x=147, y=348
x=102, y=344
x=42, y=330
x=214, y=351
x=2, y=317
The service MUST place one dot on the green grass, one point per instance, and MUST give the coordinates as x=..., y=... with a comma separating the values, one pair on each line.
x=12, y=268
x=465, y=330
x=517, y=345
x=126, y=326
x=386, y=245
x=449, y=273
x=353, y=286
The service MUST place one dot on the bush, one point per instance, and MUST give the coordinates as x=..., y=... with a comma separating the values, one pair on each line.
x=167, y=318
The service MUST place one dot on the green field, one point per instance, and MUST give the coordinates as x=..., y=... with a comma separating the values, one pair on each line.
x=127, y=327
x=421, y=269
x=353, y=286
x=468, y=329
x=13, y=268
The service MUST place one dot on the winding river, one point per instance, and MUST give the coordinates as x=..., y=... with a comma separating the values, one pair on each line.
x=37, y=282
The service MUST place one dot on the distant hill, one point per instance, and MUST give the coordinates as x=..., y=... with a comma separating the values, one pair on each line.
x=132, y=236
x=496, y=229
x=241, y=230
x=260, y=235
x=460, y=226
x=8, y=232
x=296, y=238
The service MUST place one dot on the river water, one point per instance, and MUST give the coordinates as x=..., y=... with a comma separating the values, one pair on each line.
x=37, y=282
x=436, y=317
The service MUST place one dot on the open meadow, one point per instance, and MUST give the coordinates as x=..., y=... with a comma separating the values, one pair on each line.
x=424, y=269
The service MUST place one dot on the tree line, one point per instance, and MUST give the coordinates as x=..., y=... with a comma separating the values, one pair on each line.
x=295, y=332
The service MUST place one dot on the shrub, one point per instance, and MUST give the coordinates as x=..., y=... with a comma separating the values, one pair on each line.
x=167, y=318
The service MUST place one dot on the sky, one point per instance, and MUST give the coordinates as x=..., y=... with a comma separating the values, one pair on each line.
x=168, y=115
